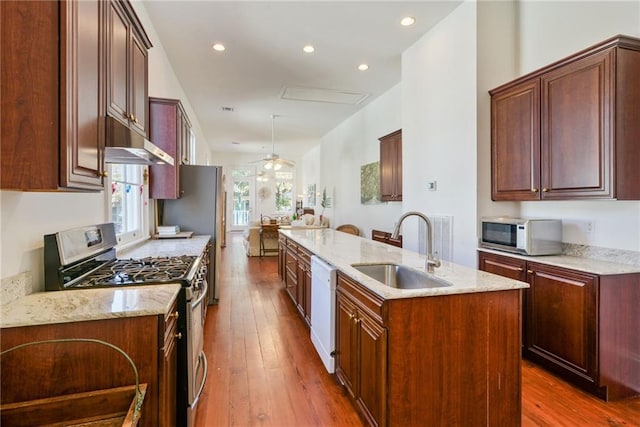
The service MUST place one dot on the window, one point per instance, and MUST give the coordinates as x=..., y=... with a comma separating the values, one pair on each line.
x=129, y=199
x=284, y=191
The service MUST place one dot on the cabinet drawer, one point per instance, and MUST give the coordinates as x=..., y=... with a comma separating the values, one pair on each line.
x=291, y=263
x=365, y=299
x=304, y=255
x=171, y=322
x=292, y=245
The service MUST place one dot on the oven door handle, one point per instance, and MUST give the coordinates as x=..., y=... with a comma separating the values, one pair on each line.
x=202, y=296
x=203, y=359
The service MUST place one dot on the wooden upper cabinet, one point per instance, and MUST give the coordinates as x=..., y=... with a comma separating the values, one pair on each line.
x=168, y=126
x=52, y=102
x=569, y=131
x=127, y=67
x=391, y=166
x=515, y=142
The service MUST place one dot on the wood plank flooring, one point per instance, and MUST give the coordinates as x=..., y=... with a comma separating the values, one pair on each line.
x=264, y=371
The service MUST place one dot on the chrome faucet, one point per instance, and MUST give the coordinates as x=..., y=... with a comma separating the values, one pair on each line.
x=431, y=262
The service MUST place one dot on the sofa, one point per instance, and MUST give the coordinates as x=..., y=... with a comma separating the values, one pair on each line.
x=252, y=234
x=252, y=241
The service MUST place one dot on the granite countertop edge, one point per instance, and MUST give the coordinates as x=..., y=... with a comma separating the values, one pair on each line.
x=582, y=264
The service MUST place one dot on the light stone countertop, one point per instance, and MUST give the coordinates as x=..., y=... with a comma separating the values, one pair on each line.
x=586, y=265
x=44, y=308
x=342, y=249
x=104, y=303
x=165, y=247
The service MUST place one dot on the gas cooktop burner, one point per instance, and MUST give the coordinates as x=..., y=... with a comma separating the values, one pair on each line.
x=139, y=271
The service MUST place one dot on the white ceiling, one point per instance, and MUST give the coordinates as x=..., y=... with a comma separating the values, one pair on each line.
x=264, y=57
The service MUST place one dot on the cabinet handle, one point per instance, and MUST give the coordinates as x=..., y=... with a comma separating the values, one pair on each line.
x=175, y=315
x=534, y=190
x=134, y=118
x=529, y=271
x=519, y=269
x=178, y=335
x=103, y=174
x=545, y=190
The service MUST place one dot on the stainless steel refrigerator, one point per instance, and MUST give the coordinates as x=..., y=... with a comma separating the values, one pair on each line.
x=200, y=209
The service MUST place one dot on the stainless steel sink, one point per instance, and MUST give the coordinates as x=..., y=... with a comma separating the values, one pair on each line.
x=399, y=276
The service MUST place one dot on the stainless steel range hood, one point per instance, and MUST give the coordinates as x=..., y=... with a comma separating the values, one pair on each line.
x=125, y=145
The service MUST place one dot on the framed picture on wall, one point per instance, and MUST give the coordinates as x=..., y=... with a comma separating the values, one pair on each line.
x=311, y=195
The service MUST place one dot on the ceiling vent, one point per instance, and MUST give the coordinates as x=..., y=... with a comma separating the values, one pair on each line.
x=323, y=95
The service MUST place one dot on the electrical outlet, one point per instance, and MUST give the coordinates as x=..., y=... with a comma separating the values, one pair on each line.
x=588, y=226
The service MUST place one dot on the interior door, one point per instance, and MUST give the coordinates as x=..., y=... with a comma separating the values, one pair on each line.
x=241, y=202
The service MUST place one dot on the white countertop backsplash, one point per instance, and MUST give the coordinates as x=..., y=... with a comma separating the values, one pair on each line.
x=342, y=249
x=43, y=308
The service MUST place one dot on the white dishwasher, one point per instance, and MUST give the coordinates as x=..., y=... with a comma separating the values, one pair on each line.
x=323, y=310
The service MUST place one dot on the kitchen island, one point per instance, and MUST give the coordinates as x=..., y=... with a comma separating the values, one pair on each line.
x=446, y=355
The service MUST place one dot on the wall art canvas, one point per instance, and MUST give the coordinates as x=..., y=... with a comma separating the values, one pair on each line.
x=311, y=195
x=370, y=184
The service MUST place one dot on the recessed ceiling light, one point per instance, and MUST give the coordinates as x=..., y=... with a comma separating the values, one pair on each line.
x=309, y=49
x=235, y=143
x=218, y=46
x=363, y=67
x=407, y=20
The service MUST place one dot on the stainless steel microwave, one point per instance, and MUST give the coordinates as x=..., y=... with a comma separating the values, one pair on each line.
x=523, y=236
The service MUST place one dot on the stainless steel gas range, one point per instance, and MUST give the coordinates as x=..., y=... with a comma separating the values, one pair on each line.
x=85, y=257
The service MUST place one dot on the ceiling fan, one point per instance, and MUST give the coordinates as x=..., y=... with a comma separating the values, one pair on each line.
x=272, y=160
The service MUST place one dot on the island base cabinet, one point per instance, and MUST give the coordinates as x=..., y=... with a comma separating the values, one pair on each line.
x=437, y=360
x=361, y=349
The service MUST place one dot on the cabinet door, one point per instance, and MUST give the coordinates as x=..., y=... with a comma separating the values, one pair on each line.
x=346, y=352
x=164, y=129
x=168, y=376
x=138, y=98
x=515, y=142
x=117, y=63
x=372, y=350
x=577, y=129
x=391, y=167
x=82, y=97
x=562, y=319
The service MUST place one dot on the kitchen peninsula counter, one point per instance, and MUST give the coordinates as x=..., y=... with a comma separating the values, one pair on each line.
x=343, y=249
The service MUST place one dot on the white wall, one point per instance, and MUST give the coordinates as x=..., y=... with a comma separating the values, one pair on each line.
x=550, y=31
x=336, y=164
x=439, y=129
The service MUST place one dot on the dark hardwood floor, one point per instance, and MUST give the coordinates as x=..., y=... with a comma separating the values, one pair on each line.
x=264, y=371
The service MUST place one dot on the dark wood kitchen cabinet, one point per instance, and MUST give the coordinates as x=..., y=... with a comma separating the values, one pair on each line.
x=294, y=269
x=61, y=369
x=168, y=385
x=291, y=271
x=402, y=363
x=576, y=323
x=52, y=101
x=361, y=348
x=127, y=67
x=570, y=130
x=170, y=130
x=304, y=284
x=391, y=167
